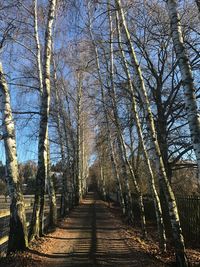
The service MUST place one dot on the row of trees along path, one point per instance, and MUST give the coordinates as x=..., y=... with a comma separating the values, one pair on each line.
x=107, y=78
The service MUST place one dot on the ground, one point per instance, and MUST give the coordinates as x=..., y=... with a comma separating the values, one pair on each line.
x=93, y=235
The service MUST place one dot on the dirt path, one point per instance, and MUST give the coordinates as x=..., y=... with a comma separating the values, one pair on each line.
x=91, y=236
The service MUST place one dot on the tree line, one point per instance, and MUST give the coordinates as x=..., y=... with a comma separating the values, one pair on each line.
x=114, y=81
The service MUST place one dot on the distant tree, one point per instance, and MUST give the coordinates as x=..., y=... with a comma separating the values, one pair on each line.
x=30, y=188
x=57, y=167
x=2, y=172
x=27, y=170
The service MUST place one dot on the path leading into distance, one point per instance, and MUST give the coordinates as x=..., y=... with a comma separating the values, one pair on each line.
x=91, y=236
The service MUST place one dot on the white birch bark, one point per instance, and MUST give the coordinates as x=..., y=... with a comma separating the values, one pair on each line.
x=173, y=212
x=84, y=154
x=157, y=204
x=102, y=182
x=40, y=78
x=102, y=176
x=36, y=228
x=51, y=190
x=79, y=182
x=18, y=238
x=187, y=77
x=38, y=47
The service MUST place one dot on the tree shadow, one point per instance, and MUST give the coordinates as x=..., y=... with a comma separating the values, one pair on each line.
x=102, y=246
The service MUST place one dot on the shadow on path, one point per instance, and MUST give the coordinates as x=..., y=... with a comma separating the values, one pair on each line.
x=91, y=236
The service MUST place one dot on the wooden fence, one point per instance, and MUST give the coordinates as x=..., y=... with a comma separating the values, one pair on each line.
x=5, y=214
x=189, y=212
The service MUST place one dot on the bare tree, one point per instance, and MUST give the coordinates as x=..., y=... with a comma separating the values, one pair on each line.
x=36, y=228
x=174, y=216
x=187, y=77
x=156, y=199
x=18, y=238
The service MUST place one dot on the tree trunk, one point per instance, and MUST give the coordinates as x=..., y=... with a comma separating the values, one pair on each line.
x=187, y=77
x=51, y=191
x=174, y=216
x=79, y=183
x=71, y=139
x=38, y=47
x=36, y=229
x=18, y=239
x=102, y=177
x=121, y=144
x=157, y=204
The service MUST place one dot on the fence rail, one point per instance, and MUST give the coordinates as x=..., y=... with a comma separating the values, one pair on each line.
x=5, y=214
x=189, y=212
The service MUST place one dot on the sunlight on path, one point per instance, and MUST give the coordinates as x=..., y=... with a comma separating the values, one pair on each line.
x=90, y=237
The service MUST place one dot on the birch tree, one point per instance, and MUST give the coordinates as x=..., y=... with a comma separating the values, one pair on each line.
x=79, y=181
x=187, y=77
x=174, y=216
x=156, y=199
x=18, y=238
x=121, y=143
x=102, y=178
x=51, y=189
x=36, y=227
